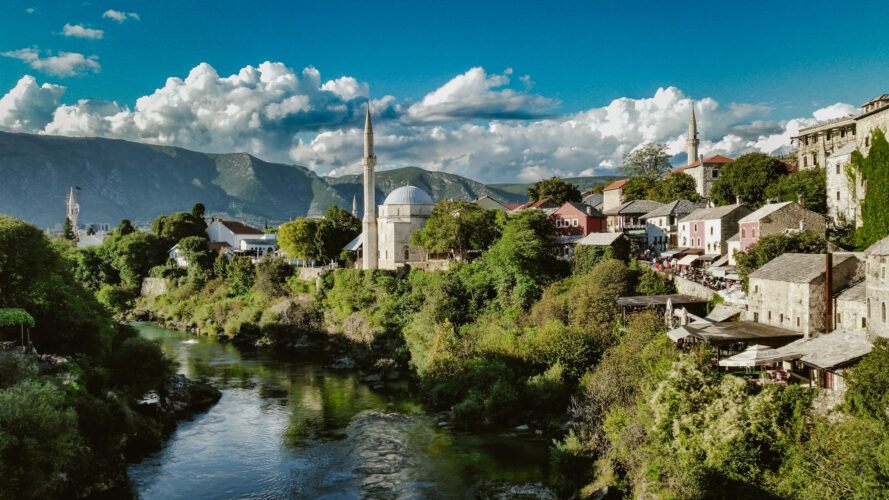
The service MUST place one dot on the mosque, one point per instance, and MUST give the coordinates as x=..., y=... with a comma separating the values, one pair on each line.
x=385, y=241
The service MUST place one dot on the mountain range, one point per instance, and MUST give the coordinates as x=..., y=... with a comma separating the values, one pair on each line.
x=117, y=179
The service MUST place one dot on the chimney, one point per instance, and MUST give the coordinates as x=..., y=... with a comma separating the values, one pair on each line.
x=800, y=199
x=737, y=200
x=802, y=225
x=701, y=158
x=828, y=292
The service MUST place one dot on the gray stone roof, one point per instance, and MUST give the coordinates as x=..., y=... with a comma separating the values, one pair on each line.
x=765, y=211
x=594, y=199
x=712, y=213
x=678, y=207
x=845, y=150
x=830, y=350
x=796, y=267
x=879, y=248
x=736, y=237
x=854, y=293
x=636, y=207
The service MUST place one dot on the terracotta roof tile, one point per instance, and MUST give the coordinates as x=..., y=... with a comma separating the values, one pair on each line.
x=239, y=227
x=616, y=184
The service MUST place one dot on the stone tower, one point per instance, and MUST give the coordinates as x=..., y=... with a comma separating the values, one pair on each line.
x=354, y=206
x=692, y=137
x=72, y=209
x=370, y=216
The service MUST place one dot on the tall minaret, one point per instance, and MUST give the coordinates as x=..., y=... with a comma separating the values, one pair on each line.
x=370, y=207
x=72, y=209
x=354, y=205
x=692, y=137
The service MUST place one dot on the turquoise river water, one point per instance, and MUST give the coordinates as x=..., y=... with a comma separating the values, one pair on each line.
x=288, y=428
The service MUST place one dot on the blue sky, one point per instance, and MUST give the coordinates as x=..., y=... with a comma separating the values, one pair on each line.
x=779, y=61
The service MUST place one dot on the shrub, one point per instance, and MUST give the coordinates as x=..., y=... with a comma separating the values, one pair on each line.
x=139, y=366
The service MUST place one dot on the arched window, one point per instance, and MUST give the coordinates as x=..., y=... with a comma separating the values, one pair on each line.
x=407, y=253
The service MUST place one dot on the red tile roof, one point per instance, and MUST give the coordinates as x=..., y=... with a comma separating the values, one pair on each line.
x=712, y=159
x=239, y=227
x=513, y=206
x=532, y=204
x=616, y=184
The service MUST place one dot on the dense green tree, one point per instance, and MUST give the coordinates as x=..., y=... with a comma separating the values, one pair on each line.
x=748, y=177
x=220, y=266
x=197, y=213
x=336, y=230
x=770, y=246
x=241, y=275
x=69, y=232
x=271, y=276
x=297, y=238
x=139, y=366
x=125, y=227
x=649, y=161
x=135, y=254
x=586, y=257
x=874, y=169
x=867, y=383
x=172, y=228
x=196, y=252
x=636, y=189
x=810, y=184
x=678, y=186
x=457, y=227
x=555, y=189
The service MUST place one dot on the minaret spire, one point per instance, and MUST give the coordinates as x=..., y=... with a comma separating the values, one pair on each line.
x=692, y=141
x=354, y=205
x=369, y=223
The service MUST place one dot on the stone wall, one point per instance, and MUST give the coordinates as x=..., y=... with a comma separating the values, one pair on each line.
x=310, y=273
x=431, y=265
x=688, y=287
x=152, y=287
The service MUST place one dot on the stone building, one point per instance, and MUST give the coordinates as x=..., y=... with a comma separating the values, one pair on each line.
x=842, y=190
x=789, y=291
x=850, y=308
x=613, y=196
x=627, y=219
x=705, y=171
x=662, y=223
x=877, y=258
x=774, y=218
x=405, y=210
x=875, y=114
x=488, y=203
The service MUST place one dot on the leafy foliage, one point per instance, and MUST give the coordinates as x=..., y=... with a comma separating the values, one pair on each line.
x=649, y=161
x=678, y=186
x=874, y=169
x=555, y=189
x=297, y=238
x=335, y=231
x=867, y=383
x=747, y=178
x=810, y=184
x=458, y=227
x=586, y=257
x=172, y=228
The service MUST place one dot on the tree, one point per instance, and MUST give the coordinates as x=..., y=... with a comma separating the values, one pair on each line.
x=196, y=252
x=271, y=276
x=457, y=227
x=335, y=231
x=636, y=189
x=868, y=384
x=771, y=246
x=68, y=231
x=90, y=231
x=241, y=276
x=135, y=254
x=220, y=266
x=297, y=238
x=125, y=227
x=649, y=161
x=197, y=213
x=555, y=189
x=678, y=186
x=172, y=228
x=747, y=178
x=874, y=169
x=810, y=184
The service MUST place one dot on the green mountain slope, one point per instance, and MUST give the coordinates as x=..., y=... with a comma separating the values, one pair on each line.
x=583, y=183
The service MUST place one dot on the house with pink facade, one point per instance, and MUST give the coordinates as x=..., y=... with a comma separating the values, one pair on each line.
x=776, y=218
x=708, y=229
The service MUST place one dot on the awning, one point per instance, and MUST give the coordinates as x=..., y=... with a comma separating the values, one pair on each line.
x=722, y=261
x=687, y=260
x=717, y=272
x=682, y=332
x=670, y=253
x=694, y=251
x=710, y=257
x=758, y=355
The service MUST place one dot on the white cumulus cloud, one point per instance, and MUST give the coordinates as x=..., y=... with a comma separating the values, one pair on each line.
x=474, y=124
x=119, y=16
x=79, y=31
x=61, y=64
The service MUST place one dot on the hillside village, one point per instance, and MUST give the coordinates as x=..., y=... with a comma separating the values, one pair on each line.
x=803, y=317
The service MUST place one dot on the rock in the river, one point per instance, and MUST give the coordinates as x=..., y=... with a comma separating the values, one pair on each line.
x=344, y=363
x=523, y=428
x=178, y=396
x=499, y=489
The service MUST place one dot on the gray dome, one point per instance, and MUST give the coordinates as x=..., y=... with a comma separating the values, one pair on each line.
x=408, y=195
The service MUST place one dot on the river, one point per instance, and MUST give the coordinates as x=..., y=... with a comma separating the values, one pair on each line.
x=286, y=427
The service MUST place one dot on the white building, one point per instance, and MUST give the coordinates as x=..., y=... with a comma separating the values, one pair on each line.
x=243, y=239
x=843, y=193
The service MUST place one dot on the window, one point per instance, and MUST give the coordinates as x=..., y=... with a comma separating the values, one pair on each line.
x=781, y=318
x=756, y=317
x=770, y=315
x=838, y=167
x=695, y=227
x=863, y=322
x=838, y=196
x=573, y=222
x=805, y=161
x=838, y=319
x=558, y=222
x=797, y=321
x=743, y=233
x=883, y=306
x=711, y=230
x=867, y=142
x=755, y=288
x=868, y=308
x=753, y=233
x=407, y=253
x=715, y=174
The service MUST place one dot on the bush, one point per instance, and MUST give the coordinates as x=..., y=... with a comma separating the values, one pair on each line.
x=118, y=299
x=14, y=368
x=139, y=366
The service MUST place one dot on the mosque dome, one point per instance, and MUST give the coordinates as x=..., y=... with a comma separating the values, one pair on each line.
x=408, y=195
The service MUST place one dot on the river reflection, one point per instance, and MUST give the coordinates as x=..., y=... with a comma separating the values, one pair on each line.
x=286, y=427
